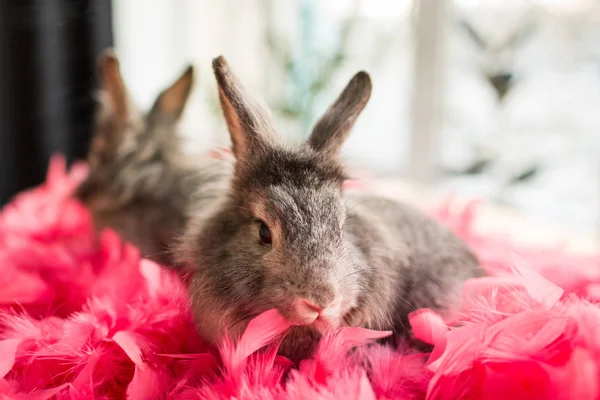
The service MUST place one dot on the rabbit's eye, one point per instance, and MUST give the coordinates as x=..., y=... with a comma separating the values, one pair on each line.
x=264, y=232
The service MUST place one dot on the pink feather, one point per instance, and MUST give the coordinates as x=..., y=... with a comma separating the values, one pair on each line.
x=84, y=317
x=261, y=331
x=8, y=354
x=428, y=326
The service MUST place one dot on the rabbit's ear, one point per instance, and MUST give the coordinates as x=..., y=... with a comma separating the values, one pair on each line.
x=112, y=83
x=333, y=128
x=249, y=124
x=171, y=102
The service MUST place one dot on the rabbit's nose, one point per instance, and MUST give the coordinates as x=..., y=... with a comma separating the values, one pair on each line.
x=304, y=312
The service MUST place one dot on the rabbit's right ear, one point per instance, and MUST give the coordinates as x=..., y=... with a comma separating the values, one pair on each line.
x=248, y=123
x=335, y=125
x=112, y=84
x=172, y=101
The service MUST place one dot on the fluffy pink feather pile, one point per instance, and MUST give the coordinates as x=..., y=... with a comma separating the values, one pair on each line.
x=84, y=317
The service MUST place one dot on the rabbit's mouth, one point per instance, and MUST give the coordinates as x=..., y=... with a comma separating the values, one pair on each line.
x=323, y=324
x=326, y=322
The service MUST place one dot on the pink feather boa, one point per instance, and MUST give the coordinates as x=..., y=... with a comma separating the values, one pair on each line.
x=84, y=317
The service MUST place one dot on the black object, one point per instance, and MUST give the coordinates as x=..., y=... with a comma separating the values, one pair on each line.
x=48, y=51
x=475, y=168
x=502, y=83
x=525, y=175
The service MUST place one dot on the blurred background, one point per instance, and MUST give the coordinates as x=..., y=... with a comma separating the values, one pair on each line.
x=491, y=99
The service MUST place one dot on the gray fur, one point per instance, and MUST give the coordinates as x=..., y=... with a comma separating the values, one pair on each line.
x=383, y=257
x=140, y=183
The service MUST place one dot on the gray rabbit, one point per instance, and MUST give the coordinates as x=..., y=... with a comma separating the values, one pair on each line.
x=140, y=182
x=288, y=237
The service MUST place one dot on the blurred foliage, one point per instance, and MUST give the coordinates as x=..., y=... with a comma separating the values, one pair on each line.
x=308, y=72
x=500, y=56
x=305, y=66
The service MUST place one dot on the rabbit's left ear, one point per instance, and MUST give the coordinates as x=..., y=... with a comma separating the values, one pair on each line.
x=249, y=124
x=335, y=125
x=171, y=102
x=112, y=84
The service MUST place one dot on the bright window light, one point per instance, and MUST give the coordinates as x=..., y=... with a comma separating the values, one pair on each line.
x=385, y=8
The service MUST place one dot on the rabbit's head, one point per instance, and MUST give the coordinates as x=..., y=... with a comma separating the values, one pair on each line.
x=128, y=145
x=278, y=240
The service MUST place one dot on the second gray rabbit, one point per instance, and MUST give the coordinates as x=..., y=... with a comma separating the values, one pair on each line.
x=288, y=236
x=140, y=183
